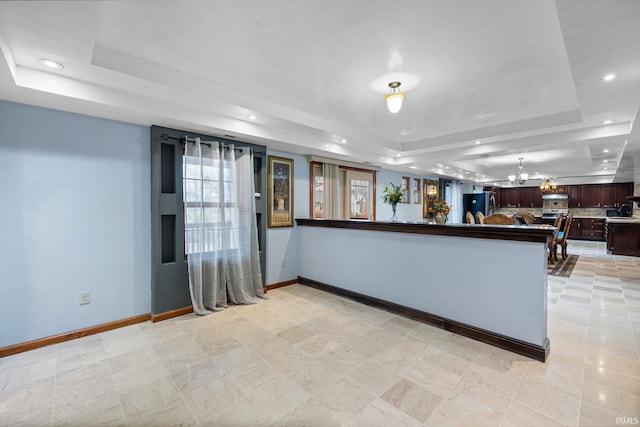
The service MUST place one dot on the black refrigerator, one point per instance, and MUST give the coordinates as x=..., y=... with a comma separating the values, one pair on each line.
x=484, y=202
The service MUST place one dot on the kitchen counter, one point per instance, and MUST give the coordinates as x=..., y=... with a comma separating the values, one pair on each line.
x=623, y=220
x=623, y=236
x=486, y=282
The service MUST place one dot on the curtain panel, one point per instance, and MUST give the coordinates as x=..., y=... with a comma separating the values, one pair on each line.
x=221, y=237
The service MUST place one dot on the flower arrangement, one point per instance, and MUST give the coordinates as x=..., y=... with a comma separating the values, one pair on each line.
x=440, y=206
x=392, y=195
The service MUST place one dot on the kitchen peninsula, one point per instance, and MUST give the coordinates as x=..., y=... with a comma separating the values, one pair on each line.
x=487, y=282
x=623, y=236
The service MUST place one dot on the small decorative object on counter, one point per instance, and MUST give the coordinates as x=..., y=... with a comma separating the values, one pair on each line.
x=441, y=210
x=392, y=195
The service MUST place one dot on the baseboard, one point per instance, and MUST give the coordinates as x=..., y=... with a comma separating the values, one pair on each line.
x=68, y=336
x=171, y=314
x=511, y=344
x=279, y=285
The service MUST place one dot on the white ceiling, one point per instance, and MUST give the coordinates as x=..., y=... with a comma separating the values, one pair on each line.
x=525, y=78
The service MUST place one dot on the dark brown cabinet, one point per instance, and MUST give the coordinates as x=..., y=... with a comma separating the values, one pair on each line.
x=510, y=197
x=624, y=190
x=530, y=197
x=580, y=196
x=574, y=229
x=587, y=229
x=592, y=229
x=591, y=196
x=519, y=197
x=609, y=195
x=574, y=196
x=623, y=238
x=601, y=195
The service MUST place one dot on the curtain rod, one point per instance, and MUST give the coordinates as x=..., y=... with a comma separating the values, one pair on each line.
x=186, y=139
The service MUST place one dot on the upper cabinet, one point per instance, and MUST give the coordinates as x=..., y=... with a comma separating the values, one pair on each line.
x=612, y=195
x=574, y=196
x=623, y=191
x=609, y=196
x=530, y=197
x=591, y=196
x=510, y=197
x=580, y=196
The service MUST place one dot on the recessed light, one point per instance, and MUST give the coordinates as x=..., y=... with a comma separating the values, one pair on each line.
x=604, y=169
x=477, y=142
x=607, y=122
x=51, y=64
x=344, y=141
x=605, y=150
x=606, y=161
x=252, y=116
x=446, y=167
x=398, y=155
x=609, y=77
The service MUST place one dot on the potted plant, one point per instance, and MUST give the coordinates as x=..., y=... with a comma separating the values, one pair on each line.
x=392, y=195
x=441, y=210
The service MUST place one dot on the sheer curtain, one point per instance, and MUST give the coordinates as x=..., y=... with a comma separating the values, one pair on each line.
x=221, y=237
x=331, y=180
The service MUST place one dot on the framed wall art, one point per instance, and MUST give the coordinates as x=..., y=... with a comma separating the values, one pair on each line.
x=429, y=196
x=280, y=192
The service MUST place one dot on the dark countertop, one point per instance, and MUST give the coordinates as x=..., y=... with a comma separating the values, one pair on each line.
x=523, y=233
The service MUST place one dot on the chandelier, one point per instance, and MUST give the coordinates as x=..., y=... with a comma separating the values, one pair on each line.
x=521, y=177
x=394, y=99
x=547, y=186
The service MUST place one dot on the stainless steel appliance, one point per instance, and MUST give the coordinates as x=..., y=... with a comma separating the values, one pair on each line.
x=484, y=202
x=553, y=205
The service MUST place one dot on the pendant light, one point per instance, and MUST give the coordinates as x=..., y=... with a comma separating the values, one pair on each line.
x=394, y=99
x=521, y=177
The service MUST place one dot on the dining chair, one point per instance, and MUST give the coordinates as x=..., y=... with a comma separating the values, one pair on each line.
x=528, y=218
x=499, y=219
x=562, y=236
x=480, y=216
x=470, y=219
x=553, y=243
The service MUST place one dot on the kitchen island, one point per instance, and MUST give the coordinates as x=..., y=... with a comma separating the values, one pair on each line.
x=623, y=236
x=487, y=282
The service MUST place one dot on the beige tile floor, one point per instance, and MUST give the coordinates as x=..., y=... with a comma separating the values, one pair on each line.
x=308, y=358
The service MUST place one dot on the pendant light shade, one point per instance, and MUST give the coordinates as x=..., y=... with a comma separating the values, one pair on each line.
x=521, y=177
x=395, y=98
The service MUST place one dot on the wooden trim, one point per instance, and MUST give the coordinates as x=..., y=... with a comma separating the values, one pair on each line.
x=171, y=314
x=511, y=344
x=520, y=233
x=280, y=284
x=68, y=336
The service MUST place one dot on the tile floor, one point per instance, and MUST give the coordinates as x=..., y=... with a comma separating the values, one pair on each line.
x=305, y=357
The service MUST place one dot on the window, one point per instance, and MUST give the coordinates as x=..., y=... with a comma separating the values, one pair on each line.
x=356, y=190
x=206, y=179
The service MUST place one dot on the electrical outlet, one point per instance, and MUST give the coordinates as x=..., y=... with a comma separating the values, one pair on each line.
x=85, y=297
x=283, y=264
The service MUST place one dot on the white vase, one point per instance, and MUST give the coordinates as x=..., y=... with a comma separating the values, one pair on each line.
x=440, y=218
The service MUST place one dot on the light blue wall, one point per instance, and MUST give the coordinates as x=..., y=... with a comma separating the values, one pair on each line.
x=282, y=243
x=405, y=211
x=74, y=216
